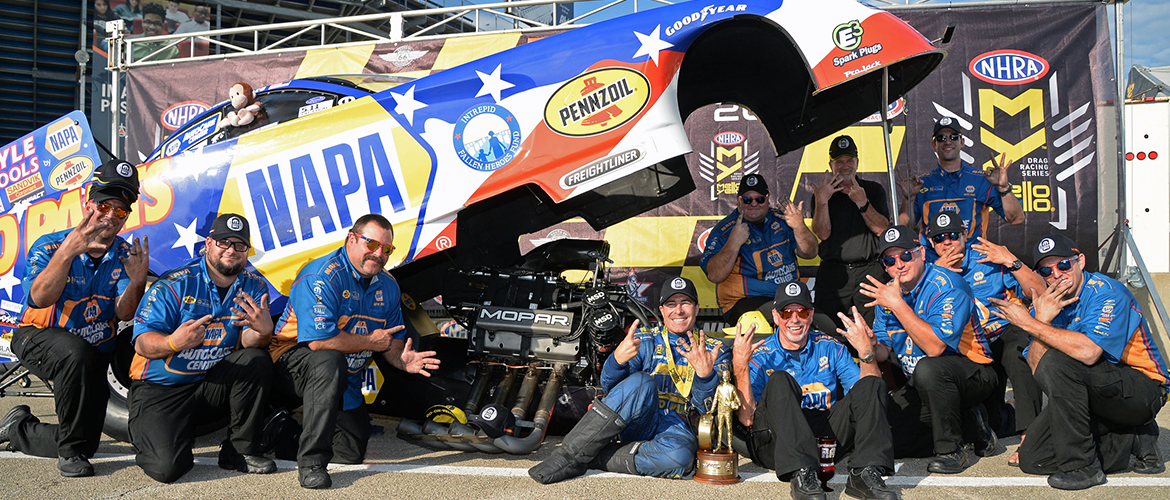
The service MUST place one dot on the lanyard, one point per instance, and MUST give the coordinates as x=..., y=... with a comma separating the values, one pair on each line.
x=682, y=375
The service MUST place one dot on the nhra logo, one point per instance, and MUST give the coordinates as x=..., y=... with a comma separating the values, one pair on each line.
x=728, y=139
x=892, y=111
x=1009, y=67
x=597, y=101
x=179, y=114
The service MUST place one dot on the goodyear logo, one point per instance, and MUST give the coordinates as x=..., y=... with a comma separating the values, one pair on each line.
x=71, y=173
x=63, y=138
x=179, y=114
x=597, y=101
x=1008, y=67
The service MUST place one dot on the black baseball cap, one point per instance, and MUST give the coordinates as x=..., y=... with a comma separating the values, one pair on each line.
x=678, y=285
x=793, y=292
x=842, y=145
x=1056, y=245
x=898, y=237
x=228, y=225
x=115, y=180
x=753, y=182
x=945, y=222
x=946, y=122
x=495, y=420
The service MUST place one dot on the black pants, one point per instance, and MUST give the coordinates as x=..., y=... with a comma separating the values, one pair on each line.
x=163, y=417
x=80, y=392
x=927, y=414
x=838, y=289
x=1008, y=362
x=1091, y=409
x=318, y=380
x=783, y=435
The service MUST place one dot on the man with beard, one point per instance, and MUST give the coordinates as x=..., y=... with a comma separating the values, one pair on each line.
x=78, y=284
x=849, y=213
x=789, y=383
x=343, y=308
x=656, y=379
x=923, y=316
x=754, y=249
x=200, y=340
x=960, y=188
x=1094, y=356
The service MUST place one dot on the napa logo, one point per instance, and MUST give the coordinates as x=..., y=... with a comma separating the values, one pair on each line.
x=179, y=114
x=1009, y=67
x=597, y=102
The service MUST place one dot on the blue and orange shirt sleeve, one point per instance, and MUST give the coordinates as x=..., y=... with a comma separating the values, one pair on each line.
x=948, y=313
x=395, y=317
x=158, y=311
x=38, y=258
x=991, y=195
x=1106, y=320
x=315, y=299
x=716, y=240
x=848, y=373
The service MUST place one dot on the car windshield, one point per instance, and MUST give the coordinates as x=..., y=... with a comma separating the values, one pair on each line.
x=367, y=82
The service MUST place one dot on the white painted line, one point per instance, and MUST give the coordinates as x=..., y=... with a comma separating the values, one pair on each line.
x=753, y=477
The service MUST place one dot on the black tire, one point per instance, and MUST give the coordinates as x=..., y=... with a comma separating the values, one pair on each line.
x=117, y=424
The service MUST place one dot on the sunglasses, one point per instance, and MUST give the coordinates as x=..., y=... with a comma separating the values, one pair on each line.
x=939, y=238
x=906, y=256
x=944, y=137
x=375, y=244
x=239, y=246
x=747, y=200
x=121, y=213
x=803, y=312
x=1063, y=265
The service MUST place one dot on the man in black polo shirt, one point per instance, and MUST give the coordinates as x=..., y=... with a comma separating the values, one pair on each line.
x=849, y=213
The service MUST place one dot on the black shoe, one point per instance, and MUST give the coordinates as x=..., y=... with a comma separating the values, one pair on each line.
x=229, y=459
x=596, y=429
x=14, y=417
x=77, y=466
x=1146, y=459
x=806, y=486
x=1080, y=479
x=314, y=477
x=950, y=463
x=868, y=484
x=986, y=444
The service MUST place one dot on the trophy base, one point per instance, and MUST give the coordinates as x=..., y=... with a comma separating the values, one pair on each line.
x=717, y=467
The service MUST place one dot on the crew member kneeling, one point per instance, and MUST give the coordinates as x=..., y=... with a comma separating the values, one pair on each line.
x=789, y=383
x=653, y=381
x=200, y=343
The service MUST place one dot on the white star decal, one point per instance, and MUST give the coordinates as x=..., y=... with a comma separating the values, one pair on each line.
x=492, y=84
x=187, y=237
x=652, y=44
x=19, y=207
x=407, y=104
x=7, y=282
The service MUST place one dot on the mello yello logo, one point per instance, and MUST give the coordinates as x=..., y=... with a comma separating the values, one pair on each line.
x=597, y=101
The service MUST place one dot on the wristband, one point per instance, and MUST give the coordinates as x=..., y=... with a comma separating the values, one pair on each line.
x=864, y=207
x=1006, y=191
x=171, y=345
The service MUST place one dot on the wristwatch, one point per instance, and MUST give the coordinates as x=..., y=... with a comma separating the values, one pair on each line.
x=864, y=207
x=1005, y=191
x=868, y=358
x=1016, y=266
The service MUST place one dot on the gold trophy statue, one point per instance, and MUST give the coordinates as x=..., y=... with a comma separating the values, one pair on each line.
x=718, y=464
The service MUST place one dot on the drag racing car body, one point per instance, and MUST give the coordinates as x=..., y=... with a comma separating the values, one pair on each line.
x=587, y=123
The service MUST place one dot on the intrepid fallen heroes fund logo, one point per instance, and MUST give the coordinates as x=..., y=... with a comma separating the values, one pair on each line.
x=487, y=137
x=597, y=101
x=600, y=168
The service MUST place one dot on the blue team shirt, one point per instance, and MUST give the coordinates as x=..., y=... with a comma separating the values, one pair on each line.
x=943, y=300
x=327, y=298
x=87, y=304
x=183, y=294
x=822, y=367
x=767, y=259
x=1107, y=314
x=964, y=192
x=988, y=281
x=652, y=359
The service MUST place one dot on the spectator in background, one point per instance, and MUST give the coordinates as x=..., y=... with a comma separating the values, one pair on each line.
x=197, y=23
x=175, y=15
x=153, y=19
x=129, y=10
x=101, y=15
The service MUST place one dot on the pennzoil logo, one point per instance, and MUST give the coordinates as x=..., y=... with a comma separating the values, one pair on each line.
x=71, y=173
x=597, y=101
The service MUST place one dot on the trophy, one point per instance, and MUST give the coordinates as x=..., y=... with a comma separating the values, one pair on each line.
x=717, y=462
